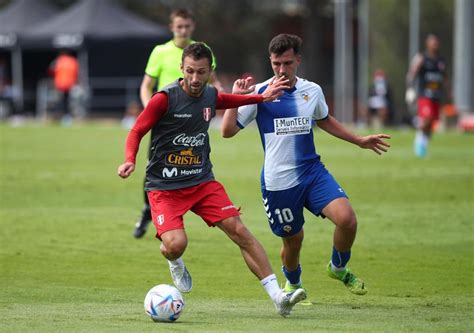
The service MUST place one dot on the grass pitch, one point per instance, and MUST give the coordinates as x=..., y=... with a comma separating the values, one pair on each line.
x=68, y=261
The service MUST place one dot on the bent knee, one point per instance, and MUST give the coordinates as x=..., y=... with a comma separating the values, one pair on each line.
x=174, y=248
x=347, y=220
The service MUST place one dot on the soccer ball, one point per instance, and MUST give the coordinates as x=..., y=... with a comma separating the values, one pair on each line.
x=164, y=303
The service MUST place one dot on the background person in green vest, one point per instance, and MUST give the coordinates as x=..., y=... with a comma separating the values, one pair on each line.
x=163, y=68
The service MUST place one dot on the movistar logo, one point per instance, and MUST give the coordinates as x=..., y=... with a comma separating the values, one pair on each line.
x=168, y=173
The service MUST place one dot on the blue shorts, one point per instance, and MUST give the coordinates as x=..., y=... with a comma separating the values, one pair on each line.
x=285, y=208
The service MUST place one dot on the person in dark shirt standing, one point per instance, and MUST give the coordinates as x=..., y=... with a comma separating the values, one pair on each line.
x=179, y=174
x=430, y=70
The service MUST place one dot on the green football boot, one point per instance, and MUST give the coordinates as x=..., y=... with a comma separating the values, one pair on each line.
x=352, y=282
x=287, y=301
x=289, y=288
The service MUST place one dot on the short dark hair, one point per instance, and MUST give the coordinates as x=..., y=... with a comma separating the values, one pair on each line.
x=283, y=42
x=183, y=13
x=198, y=51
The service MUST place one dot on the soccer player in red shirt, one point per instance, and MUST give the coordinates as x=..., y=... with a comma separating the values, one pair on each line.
x=430, y=70
x=179, y=174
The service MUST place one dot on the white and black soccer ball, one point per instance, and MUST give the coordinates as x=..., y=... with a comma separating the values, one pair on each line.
x=164, y=303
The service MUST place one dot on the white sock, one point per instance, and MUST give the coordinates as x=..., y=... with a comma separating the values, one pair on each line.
x=270, y=283
x=176, y=263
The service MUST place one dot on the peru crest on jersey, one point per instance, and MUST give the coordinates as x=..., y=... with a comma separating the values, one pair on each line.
x=207, y=114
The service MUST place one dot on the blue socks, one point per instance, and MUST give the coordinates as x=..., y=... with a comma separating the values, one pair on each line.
x=293, y=277
x=339, y=259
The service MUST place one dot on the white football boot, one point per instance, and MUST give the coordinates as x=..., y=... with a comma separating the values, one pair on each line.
x=181, y=277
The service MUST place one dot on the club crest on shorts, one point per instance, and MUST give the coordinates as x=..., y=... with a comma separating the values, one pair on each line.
x=206, y=114
x=287, y=228
x=161, y=219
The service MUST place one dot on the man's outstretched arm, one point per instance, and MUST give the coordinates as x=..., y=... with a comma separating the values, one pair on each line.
x=374, y=142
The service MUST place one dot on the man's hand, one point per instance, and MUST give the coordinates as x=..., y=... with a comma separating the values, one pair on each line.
x=375, y=142
x=243, y=86
x=126, y=169
x=275, y=89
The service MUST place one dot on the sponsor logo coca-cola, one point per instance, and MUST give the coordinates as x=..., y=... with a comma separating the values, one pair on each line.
x=189, y=141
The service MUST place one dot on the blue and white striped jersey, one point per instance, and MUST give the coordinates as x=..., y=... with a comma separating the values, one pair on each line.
x=285, y=127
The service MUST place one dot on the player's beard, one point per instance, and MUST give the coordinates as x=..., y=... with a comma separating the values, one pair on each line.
x=195, y=89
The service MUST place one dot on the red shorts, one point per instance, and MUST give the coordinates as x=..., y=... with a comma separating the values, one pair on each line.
x=208, y=200
x=428, y=108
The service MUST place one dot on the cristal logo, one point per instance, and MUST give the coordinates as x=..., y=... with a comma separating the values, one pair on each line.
x=184, y=157
x=189, y=141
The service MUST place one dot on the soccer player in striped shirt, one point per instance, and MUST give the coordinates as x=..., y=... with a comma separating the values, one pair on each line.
x=293, y=176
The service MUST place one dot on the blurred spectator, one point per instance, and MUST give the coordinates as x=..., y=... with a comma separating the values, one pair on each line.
x=163, y=66
x=65, y=71
x=380, y=100
x=131, y=114
x=6, y=91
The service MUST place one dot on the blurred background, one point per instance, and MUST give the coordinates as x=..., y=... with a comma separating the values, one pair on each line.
x=345, y=43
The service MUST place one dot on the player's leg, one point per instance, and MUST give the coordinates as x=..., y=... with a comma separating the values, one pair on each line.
x=383, y=115
x=173, y=245
x=285, y=218
x=167, y=212
x=66, y=119
x=290, y=258
x=252, y=251
x=257, y=261
x=422, y=137
x=340, y=212
x=216, y=208
x=328, y=199
x=58, y=108
x=141, y=225
x=428, y=113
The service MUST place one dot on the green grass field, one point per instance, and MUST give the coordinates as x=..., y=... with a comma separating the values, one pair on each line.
x=68, y=261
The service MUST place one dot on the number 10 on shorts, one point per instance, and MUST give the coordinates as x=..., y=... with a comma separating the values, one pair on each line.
x=284, y=215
